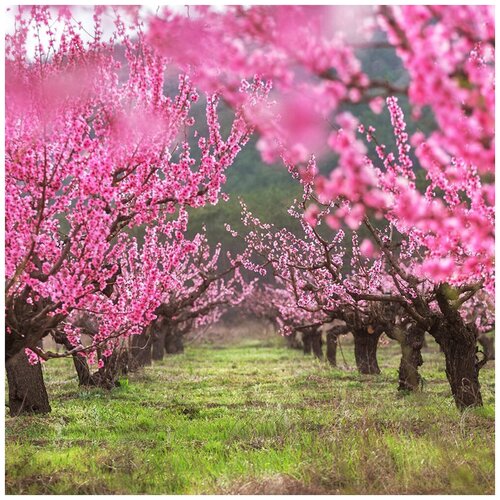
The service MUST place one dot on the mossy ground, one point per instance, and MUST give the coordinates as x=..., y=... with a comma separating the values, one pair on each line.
x=254, y=417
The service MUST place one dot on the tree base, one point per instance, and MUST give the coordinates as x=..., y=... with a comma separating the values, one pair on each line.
x=27, y=392
x=411, y=359
x=365, y=351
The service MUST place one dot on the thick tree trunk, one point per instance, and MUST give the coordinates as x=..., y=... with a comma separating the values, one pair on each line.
x=365, y=351
x=140, y=352
x=27, y=392
x=306, y=342
x=292, y=341
x=332, y=340
x=411, y=342
x=158, y=348
x=331, y=347
x=174, y=343
x=180, y=343
x=317, y=344
x=458, y=342
x=83, y=371
x=105, y=377
x=488, y=345
x=114, y=367
x=462, y=368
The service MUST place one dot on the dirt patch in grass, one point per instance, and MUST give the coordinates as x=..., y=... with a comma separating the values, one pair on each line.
x=279, y=484
x=47, y=484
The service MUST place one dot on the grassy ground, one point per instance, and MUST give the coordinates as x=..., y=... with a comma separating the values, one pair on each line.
x=254, y=417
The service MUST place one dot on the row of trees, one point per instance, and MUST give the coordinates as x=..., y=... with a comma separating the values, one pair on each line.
x=97, y=145
x=100, y=170
x=366, y=289
x=426, y=263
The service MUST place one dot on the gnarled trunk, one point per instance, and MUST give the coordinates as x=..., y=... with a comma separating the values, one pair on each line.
x=317, y=343
x=462, y=366
x=365, y=350
x=332, y=339
x=158, y=347
x=458, y=341
x=488, y=344
x=411, y=343
x=105, y=377
x=331, y=347
x=292, y=341
x=83, y=371
x=140, y=352
x=27, y=392
x=174, y=343
x=306, y=342
x=80, y=362
x=115, y=366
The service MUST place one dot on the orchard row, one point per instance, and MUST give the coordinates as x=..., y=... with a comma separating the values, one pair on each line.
x=107, y=151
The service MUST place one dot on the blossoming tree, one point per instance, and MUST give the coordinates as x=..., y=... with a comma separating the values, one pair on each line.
x=95, y=146
x=445, y=255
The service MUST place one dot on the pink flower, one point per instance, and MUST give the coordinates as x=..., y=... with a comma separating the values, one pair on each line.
x=311, y=215
x=367, y=249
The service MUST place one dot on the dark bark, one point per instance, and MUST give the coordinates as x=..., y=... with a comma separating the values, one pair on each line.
x=488, y=344
x=292, y=341
x=27, y=392
x=80, y=362
x=140, y=352
x=158, y=347
x=174, y=343
x=83, y=371
x=462, y=367
x=458, y=342
x=312, y=342
x=411, y=342
x=365, y=350
x=317, y=343
x=306, y=342
x=24, y=329
x=332, y=338
x=114, y=367
x=105, y=377
x=331, y=348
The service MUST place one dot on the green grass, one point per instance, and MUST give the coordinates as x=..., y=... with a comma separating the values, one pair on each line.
x=254, y=417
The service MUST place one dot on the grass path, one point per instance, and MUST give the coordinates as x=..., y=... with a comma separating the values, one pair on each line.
x=254, y=417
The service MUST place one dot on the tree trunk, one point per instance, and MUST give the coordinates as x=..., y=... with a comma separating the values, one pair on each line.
x=83, y=371
x=411, y=359
x=114, y=366
x=458, y=342
x=317, y=344
x=306, y=342
x=80, y=362
x=140, y=351
x=27, y=392
x=331, y=347
x=332, y=339
x=488, y=345
x=462, y=367
x=365, y=351
x=174, y=343
x=180, y=343
x=292, y=340
x=158, y=348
